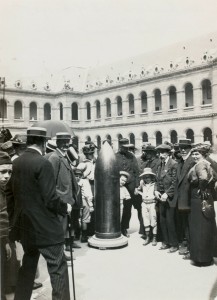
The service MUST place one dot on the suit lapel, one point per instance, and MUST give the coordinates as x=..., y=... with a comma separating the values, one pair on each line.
x=186, y=167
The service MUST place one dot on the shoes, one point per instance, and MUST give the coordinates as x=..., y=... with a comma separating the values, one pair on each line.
x=186, y=256
x=68, y=257
x=164, y=247
x=147, y=241
x=67, y=248
x=84, y=239
x=74, y=245
x=173, y=249
x=183, y=250
x=37, y=285
x=154, y=241
x=125, y=233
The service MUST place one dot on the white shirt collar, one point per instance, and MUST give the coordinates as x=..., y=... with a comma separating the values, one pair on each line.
x=38, y=150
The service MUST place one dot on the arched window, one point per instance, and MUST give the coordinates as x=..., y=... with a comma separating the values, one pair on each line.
x=108, y=137
x=131, y=104
x=88, y=138
x=18, y=110
x=88, y=111
x=158, y=138
x=98, y=110
x=61, y=111
x=132, y=139
x=172, y=98
x=98, y=141
x=47, y=111
x=157, y=98
x=74, y=111
x=144, y=103
x=190, y=135
x=189, y=95
x=144, y=137
x=207, y=135
x=207, y=91
x=3, y=109
x=33, y=111
x=119, y=106
x=173, y=137
x=76, y=142
x=108, y=108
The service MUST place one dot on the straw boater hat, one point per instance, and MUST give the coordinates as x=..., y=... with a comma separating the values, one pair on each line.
x=63, y=136
x=126, y=174
x=37, y=131
x=147, y=171
x=51, y=145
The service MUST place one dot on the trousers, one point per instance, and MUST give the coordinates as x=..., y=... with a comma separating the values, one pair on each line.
x=57, y=269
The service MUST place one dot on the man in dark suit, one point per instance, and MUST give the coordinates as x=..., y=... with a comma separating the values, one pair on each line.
x=33, y=208
x=127, y=162
x=181, y=196
x=166, y=177
x=66, y=185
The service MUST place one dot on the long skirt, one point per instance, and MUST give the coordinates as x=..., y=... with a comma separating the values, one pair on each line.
x=202, y=231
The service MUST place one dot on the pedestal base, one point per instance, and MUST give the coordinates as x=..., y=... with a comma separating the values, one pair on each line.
x=103, y=244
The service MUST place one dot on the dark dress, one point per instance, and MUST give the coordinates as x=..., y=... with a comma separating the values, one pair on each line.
x=202, y=228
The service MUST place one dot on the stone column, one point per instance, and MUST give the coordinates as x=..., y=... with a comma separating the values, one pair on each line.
x=165, y=103
x=150, y=105
x=137, y=106
x=197, y=99
x=114, y=109
x=180, y=101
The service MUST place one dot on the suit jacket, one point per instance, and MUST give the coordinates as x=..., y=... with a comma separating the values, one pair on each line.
x=66, y=185
x=127, y=162
x=182, y=186
x=166, y=179
x=33, y=204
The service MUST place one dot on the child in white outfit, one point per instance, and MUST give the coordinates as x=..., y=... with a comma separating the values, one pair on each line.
x=147, y=189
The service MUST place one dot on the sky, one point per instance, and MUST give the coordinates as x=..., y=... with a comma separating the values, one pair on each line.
x=47, y=36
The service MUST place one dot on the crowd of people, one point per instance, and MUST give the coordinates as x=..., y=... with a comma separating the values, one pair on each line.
x=47, y=187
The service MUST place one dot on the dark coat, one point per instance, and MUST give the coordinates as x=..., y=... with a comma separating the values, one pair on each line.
x=166, y=179
x=33, y=204
x=66, y=184
x=127, y=162
x=181, y=197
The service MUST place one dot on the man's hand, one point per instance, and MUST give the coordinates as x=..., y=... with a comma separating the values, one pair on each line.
x=8, y=251
x=69, y=208
x=136, y=192
x=157, y=195
x=164, y=197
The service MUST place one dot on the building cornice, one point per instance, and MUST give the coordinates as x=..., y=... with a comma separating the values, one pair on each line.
x=124, y=124
x=114, y=86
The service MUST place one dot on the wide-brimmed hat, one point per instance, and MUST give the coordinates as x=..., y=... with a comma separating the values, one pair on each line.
x=147, y=171
x=185, y=143
x=63, y=136
x=124, y=173
x=37, y=131
x=19, y=139
x=164, y=147
x=51, y=145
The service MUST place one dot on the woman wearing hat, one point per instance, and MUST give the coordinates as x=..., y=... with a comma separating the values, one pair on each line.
x=147, y=189
x=202, y=216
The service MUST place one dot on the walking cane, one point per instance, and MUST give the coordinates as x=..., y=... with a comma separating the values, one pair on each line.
x=70, y=245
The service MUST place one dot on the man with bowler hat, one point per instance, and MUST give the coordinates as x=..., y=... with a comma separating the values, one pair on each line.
x=166, y=177
x=33, y=207
x=181, y=196
x=66, y=185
